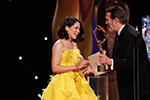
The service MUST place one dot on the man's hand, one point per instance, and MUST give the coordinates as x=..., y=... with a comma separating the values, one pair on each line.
x=104, y=60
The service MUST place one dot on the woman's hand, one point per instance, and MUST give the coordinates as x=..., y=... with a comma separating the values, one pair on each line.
x=81, y=64
x=88, y=69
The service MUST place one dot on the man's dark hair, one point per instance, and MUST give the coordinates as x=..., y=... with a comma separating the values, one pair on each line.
x=70, y=21
x=117, y=12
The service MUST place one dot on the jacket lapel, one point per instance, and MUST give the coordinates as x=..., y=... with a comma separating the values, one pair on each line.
x=117, y=40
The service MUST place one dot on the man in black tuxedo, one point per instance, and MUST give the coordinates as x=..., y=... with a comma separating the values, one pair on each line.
x=129, y=59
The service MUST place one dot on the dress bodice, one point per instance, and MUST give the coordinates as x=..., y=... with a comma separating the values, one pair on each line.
x=70, y=57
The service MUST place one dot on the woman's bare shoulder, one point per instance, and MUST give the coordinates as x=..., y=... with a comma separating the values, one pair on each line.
x=58, y=45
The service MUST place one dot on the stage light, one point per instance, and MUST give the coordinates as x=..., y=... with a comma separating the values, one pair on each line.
x=136, y=28
x=45, y=38
x=39, y=95
x=36, y=77
x=20, y=57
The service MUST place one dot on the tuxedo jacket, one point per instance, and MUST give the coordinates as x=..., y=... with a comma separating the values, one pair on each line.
x=129, y=53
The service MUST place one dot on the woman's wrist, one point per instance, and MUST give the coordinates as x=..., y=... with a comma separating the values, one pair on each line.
x=78, y=67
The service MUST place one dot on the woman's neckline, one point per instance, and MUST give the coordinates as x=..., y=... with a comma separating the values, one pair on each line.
x=70, y=49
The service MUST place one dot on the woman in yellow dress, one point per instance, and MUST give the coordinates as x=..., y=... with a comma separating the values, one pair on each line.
x=69, y=82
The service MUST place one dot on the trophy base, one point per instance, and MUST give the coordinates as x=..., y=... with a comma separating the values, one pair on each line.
x=100, y=86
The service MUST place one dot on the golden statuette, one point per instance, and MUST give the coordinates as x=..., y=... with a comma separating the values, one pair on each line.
x=99, y=28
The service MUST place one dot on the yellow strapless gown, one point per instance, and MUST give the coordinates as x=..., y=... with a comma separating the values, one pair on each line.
x=70, y=85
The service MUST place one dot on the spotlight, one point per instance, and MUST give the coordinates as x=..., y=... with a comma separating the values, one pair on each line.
x=45, y=38
x=20, y=57
x=39, y=95
x=36, y=77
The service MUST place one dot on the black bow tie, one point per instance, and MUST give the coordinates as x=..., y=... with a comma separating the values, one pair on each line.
x=117, y=34
x=117, y=37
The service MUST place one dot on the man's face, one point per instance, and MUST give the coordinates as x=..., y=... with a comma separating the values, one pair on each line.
x=110, y=22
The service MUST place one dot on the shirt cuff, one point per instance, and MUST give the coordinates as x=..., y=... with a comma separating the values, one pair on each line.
x=112, y=66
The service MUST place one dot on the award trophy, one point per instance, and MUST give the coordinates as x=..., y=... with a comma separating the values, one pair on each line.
x=94, y=59
x=99, y=82
x=99, y=41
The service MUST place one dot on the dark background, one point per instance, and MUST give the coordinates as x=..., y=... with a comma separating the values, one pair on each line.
x=26, y=24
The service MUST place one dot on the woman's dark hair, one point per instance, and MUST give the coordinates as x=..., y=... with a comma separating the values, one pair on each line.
x=70, y=21
x=117, y=12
